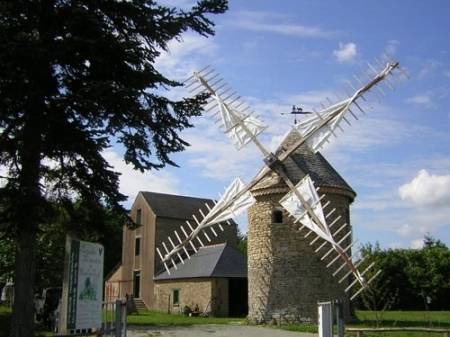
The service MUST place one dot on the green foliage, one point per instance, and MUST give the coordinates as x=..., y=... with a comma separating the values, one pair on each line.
x=410, y=276
x=242, y=242
x=7, y=259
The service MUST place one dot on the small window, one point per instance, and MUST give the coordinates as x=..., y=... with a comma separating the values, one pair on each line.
x=138, y=216
x=175, y=296
x=137, y=246
x=277, y=216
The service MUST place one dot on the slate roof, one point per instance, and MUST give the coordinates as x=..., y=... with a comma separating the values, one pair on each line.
x=302, y=162
x=210, y=261
x=175, y=206
x=320, y=170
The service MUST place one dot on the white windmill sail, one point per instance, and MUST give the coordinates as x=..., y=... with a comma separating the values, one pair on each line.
x=297, y=209
x=234, y=201
x=229, y=206
x=241, y=129
x=319, y=127
x=314, y=128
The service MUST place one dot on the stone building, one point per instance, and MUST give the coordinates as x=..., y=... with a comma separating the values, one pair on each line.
x=214, y=279
x=286, y=277
x=157, y=216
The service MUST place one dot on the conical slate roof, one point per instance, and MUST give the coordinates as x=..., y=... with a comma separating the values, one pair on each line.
x=219, y=260
x=300, y=163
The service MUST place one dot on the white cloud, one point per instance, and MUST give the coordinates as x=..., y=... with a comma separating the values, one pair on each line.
x=311, y=99
x=186, y=55
x=214, y=156
x=417, y=244
x=422, y=99
x=177, y=3
x=427, y=189
x=133, y=181
x=370, y=131
x=274, y=23
x=346, y=52
x=407, y=230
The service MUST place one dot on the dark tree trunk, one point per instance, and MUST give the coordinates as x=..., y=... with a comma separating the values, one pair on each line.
x=22, y=323
x=27, y=215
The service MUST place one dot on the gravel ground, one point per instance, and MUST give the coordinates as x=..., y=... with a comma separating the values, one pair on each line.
x=213, y=331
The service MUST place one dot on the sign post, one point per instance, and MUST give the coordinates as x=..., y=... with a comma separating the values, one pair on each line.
x=82, y=286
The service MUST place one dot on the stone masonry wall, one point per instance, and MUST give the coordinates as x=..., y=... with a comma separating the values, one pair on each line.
x=192, y=292
x=286, y=277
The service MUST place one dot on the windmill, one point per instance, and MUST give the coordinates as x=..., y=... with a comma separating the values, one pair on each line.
x=303, y=202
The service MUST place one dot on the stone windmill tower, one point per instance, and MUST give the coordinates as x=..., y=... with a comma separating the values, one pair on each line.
x=286, y=278
x=287, y=274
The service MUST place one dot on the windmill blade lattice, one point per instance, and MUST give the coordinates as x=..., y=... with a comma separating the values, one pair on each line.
x=243, y=128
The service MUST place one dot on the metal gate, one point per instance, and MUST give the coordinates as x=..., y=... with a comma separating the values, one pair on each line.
x=114, y=323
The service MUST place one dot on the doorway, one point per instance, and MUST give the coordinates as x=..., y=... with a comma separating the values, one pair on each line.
x=237, y=297
x=137, y=284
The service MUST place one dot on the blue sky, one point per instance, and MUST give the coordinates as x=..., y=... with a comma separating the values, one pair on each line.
x=279, y=53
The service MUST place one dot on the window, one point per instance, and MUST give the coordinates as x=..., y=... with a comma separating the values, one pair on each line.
x=277, y=216
x=137, y=246
x=175, y=296
x=138, y=216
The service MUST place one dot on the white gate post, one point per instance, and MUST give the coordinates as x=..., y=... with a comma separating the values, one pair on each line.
x=325, y=319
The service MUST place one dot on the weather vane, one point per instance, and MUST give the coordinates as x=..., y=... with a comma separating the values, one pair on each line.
x=296, y=110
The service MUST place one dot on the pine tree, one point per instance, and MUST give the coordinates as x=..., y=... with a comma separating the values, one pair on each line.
x=75, y=77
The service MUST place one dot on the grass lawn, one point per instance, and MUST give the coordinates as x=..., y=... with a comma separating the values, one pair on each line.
x=432, y=319
x=435, y=319
x=164, y=319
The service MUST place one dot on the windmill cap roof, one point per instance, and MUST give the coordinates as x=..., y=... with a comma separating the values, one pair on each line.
x=303, y=161
x=216, y=261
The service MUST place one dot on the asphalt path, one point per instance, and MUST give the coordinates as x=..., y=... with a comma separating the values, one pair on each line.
x=230, y=330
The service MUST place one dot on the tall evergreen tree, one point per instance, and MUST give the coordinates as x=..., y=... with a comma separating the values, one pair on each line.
x=76, y=76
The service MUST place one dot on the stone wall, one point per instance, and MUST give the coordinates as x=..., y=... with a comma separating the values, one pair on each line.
x=192, y=292
x=286, y=277
x=207, y=293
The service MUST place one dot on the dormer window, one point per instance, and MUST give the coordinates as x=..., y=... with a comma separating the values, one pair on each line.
x=277, y=216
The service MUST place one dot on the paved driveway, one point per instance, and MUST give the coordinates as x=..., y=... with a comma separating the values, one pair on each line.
x=213, y=331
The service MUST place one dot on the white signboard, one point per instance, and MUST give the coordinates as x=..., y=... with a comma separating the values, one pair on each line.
x=84, y=282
